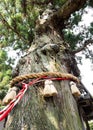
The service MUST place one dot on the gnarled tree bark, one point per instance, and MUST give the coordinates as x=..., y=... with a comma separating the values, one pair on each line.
x=34, y=112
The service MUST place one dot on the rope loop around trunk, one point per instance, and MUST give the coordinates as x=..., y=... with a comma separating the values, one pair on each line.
x=65, y=76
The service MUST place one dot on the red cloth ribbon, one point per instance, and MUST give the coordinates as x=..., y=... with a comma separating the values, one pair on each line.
x=10, y=106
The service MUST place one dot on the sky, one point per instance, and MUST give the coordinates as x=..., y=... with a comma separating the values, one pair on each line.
x=87, y=67
x=87, y=74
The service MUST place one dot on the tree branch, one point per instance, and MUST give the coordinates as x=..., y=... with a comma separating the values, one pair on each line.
x=87, y=42
x=68, y=8
x=58, y=18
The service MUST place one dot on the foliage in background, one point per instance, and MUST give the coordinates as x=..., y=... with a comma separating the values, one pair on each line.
x=91, y=125
x=17, y=29
x=75, y=33
x=5, y=72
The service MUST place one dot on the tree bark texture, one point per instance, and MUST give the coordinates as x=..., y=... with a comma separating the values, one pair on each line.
x=34, y=112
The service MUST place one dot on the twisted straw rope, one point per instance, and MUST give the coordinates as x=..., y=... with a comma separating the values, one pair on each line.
x=42, y=74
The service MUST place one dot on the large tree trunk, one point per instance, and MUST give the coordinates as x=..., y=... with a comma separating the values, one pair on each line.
x=34, y=112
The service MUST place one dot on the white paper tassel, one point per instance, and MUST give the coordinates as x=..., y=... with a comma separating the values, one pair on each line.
x=10, y=95
x=49, y=89
x=75, y=91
